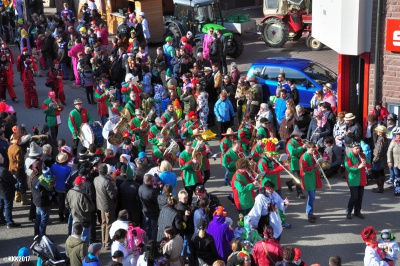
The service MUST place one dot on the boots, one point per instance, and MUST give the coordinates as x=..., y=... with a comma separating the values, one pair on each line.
x=379, y=182
x=17, y=196
x=24, y=199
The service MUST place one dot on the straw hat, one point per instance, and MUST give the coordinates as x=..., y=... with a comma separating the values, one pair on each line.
x=349, y=116
x=229, y=132
x=62, y=158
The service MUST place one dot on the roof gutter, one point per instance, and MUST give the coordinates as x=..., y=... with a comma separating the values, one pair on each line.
x=377, y=69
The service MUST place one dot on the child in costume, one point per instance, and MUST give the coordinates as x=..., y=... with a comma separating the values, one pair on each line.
x=390, y=247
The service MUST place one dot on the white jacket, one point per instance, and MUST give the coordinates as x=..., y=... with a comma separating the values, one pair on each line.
x=372, y=258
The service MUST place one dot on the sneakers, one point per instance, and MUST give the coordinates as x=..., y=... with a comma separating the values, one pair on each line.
x=312, y=219
x=15, y=100
x=389, y=181
x=286, y=225
x=13, y=225
x=348, y=216
x=301, y=196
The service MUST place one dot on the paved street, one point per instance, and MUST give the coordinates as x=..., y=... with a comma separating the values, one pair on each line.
x=332, y=234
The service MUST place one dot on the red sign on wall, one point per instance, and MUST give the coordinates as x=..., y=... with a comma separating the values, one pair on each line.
x=393, y=35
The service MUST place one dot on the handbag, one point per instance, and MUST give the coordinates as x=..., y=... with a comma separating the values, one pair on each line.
x=378, y=166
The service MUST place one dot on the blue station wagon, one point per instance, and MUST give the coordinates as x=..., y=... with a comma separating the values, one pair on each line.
x=308, y=75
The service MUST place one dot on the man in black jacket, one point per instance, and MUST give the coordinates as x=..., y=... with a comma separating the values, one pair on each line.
x=7, y=190
x=201, y=193
x=224, y=43
x=128, y=196
x=47, y=48
x=216, y=50
x=208, y=83
x=148, y=197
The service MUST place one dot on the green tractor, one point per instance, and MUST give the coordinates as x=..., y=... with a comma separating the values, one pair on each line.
x=198, y=16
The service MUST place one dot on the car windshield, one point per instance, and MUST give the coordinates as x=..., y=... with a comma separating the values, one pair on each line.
x=203, y=13
x=320, y=74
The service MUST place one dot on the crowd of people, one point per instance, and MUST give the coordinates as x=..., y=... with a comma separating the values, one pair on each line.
x=169, y=104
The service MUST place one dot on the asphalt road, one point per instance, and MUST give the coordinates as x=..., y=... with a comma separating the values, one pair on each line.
x=332, y=234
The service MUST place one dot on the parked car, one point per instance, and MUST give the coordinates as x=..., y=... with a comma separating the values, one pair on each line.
x=308, y=75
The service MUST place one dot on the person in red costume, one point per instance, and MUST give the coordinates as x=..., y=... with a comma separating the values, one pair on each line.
x=268, y=251
x=6, y=75
x=31, y=96
x=373, y=254
x=56, y=75
x=381, y=113
x=21, y=62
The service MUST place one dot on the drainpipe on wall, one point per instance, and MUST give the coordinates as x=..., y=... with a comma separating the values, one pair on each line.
x=377, y=54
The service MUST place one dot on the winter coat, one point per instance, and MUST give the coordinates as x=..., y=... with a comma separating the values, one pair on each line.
x=354, y=135
x=274, y=251
x=41, y=196
x=16, y=156
x=393, y=153
x=169, y=178
x=61, y=172
x=323, y=132
x=189, y=103
x=169, y=217
x=224, y=110
x=280, y=108
x=216, y=50
x=303, y=122
x=81, y=206
x=106, y=193
x=128, y=195
x=7, y=184
x=204, y=248
x=76, y=250
x=287, y=127
x=148, y=198
x=182, y=208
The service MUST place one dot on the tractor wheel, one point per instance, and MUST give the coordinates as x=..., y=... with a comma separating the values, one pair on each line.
x=274, y=32
x=314, y=44
x=236, y=49
x=174, y=32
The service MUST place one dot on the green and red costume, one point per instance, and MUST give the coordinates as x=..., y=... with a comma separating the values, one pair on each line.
x=116, y=110
x=157, y=154
x=355, y=176
x=154, y=135
x=102, y=105
x=263, y=132
x=51, y=112
x=272, y=171
x=243, y=190
x=224, y=145
x=229, y=161
x=187, y=129
x=76, y=119
x=205, y=164
x=295, y=149
x=310, y=178
x=166, y=117
x=244, y=136
x=130, y=105
x=135, y=129
x=189, y=176
x=257, y=151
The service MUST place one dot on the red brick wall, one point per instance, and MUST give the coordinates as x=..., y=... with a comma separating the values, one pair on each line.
x=389, y=74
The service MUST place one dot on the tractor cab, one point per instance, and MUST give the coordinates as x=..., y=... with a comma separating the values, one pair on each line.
x=282, y=7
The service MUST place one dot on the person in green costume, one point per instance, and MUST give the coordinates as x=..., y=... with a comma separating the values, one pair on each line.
x=77, y=117
x=52, y=108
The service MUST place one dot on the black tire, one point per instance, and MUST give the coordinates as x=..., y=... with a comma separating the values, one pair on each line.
x=314, y=44
x=174, y=32
x=236, y=48
x=274, y=32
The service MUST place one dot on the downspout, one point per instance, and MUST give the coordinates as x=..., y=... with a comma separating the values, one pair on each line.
x=377, y=54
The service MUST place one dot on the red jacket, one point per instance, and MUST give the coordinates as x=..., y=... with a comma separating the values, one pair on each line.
x=274, y=251
x=101, y=103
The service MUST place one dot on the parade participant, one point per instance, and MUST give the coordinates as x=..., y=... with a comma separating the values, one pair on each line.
x=373, y=253
x=379, y=158
x=245, y=134
x=268, y=251
x=169, y=115
x=76, y=118
x=388, y=244
x=56, y=75
x=158, y=151
x=243, y=186
x=208, y=39
x=203, y=148
x=102, y=95
x=130, y=105
x=139, y=128
x=192, y=123
x=329, y=97
x=10, y=58
x=52, y=108
x=229, y=160
x=333, y=154
x=108, y=131
x=393, y=159
x=191, y=178
x=265, y=129
x=257, y=151
x=357, y=166
x=266, y=208
x=310, y=178
x=155, y=131
x=29, y=85
x=353, y=131
x=7, y=80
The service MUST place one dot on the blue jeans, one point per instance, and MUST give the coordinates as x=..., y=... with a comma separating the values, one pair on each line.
x=85, y=233
x=6, y=206
x=151, y=227
x=310, y=203
x=41, y=220
x=186, y=249
x=226, y=177
x=64, y=69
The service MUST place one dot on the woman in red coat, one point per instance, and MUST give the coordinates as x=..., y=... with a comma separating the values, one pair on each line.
x=381, y=113
x=101, y=95
x=268, y=251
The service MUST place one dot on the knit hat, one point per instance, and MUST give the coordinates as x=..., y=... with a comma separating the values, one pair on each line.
x=47, y=172
x=168, y=39
x=126, y=156
x=94, y=247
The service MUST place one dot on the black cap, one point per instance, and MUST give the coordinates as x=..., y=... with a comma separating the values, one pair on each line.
x=127, y=141
x=263, y=120
x=200, y=189
x=43, y=129
x=118, y=254
x=269, y=184
x=83, y=150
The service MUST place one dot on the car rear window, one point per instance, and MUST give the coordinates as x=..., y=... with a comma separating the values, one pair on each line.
x=271, y=73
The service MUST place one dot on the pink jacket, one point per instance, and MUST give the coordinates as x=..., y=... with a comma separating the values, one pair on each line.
x=104, y=36
x=76, y=49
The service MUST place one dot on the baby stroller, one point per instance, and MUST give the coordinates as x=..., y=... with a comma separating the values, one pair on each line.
x=48, y=252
